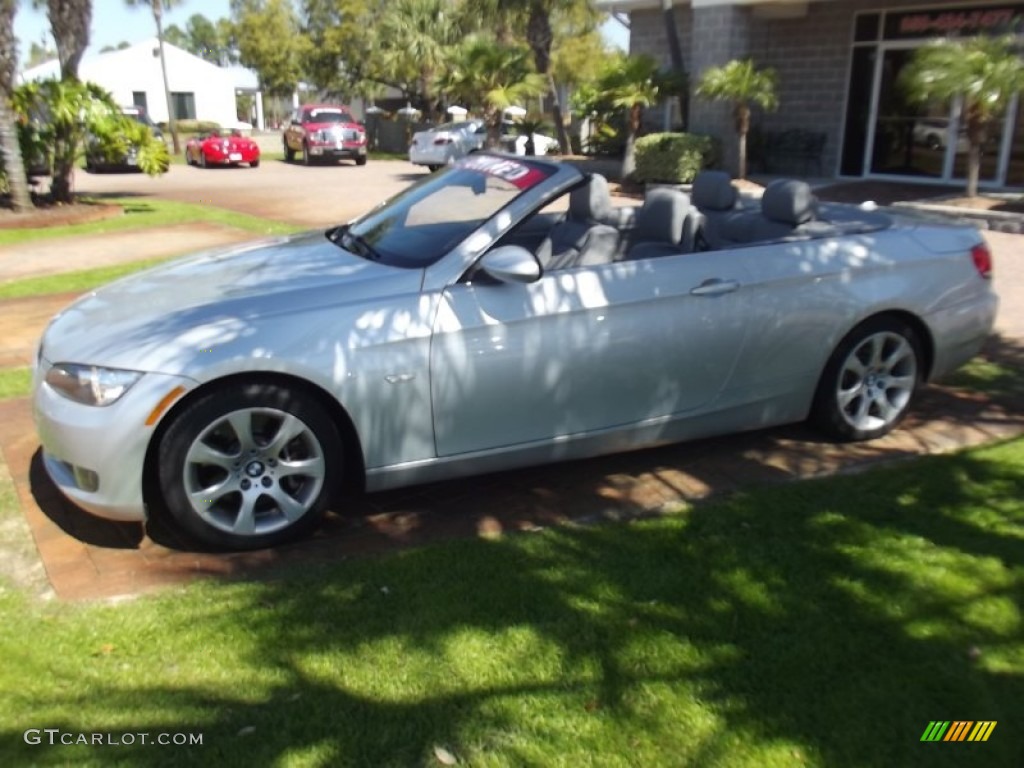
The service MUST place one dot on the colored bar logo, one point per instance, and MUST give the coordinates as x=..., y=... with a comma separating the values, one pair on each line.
x=958, y=730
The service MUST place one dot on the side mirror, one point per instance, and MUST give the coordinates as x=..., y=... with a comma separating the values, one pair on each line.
x=511, y=264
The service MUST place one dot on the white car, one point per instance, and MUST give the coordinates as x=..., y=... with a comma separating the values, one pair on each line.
x=446, y=143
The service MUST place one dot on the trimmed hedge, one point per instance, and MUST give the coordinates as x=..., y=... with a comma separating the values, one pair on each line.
x=193, y=126
x=673, y=158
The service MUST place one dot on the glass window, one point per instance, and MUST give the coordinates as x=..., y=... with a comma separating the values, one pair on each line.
x=184, y=105
x=858, y=110
x=866, y=27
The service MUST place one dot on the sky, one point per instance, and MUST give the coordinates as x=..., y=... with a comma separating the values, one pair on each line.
x=113, y=21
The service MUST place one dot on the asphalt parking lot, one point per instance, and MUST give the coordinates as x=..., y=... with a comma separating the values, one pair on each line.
x=313, y=196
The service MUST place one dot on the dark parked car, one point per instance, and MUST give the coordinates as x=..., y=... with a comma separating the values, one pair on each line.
x=96, y=160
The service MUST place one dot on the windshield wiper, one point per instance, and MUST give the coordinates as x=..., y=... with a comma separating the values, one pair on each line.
x=364, y=248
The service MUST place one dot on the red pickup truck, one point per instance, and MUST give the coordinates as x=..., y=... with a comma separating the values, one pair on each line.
x=324, y=132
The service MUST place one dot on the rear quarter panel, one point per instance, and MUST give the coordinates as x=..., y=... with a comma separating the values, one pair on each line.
x=803, y=297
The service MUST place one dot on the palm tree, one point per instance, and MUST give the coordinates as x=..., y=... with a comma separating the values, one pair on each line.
x=741, y=83
x=10, y=149
x=69, y=23
x=630, y=83
x=494, y=78
x=984, y=72
x=158, y=6
x=422, y=35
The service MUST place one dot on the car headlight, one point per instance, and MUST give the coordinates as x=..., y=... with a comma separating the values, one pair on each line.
x=90, y=385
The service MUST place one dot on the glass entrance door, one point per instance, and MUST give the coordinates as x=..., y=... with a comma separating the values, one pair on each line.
x=909, y=139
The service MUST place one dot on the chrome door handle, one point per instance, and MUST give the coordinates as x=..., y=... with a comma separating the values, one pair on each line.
x=715, y=287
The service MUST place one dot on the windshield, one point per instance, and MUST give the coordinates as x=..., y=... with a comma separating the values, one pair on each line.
x=465, y=125
x=328, y=116
x=427, y=220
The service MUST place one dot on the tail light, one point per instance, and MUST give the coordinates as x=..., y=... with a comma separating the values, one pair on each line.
x=982, y=258
x=443, y=141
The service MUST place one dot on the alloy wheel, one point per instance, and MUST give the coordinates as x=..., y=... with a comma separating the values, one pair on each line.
x=254, y=471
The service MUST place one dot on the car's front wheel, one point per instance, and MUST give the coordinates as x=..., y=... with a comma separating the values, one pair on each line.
x=289, y=153
x=249, y=467
x=870, y=380
x=306, y=158
x=361, y=160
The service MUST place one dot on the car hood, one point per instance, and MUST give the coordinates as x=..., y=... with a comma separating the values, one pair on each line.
x=139, y=322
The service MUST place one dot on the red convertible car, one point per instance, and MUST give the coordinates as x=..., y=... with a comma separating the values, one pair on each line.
x=214, y=149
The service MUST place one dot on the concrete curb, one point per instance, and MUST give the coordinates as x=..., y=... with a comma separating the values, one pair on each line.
x=996, y=221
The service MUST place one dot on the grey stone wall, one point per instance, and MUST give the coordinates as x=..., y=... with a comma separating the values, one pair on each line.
x=811, y=55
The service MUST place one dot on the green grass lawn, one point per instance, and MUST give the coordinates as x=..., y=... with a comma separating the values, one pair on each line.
x=15, y=382
x=142, y=213
x=821, y=623
x=65, y=282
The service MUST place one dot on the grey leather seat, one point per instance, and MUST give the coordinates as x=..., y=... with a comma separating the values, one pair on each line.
x=787, y=207
x=665, y=225
x=584, y=237
x=718, y=202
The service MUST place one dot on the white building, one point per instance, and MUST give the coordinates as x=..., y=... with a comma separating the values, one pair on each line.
x=200, y=90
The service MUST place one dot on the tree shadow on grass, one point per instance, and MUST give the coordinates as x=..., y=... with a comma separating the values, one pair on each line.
x=821, y=623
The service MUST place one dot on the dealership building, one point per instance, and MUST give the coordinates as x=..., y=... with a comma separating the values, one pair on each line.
x=838, y=63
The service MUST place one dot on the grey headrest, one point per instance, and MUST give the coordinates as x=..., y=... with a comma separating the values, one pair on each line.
x=788, y=201
x=713, y=190
x=591, y=202
x=661, y=217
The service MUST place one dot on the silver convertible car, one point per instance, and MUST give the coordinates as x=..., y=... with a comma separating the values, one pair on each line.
x=497, y=314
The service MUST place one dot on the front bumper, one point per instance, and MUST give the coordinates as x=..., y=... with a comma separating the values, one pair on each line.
x=95, y=455
x=340, y=149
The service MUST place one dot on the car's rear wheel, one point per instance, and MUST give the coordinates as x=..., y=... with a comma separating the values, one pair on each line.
x=249, y=467
x=433, y=168
x=870, y=380
x=254, y=164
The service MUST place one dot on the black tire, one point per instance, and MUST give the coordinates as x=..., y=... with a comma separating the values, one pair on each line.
x=289, y=153
x=433, y=168
x=254, y=164
x=870, y=381
x=246, y=472
x=202, y=159
x=360, y=159
x=307, y=159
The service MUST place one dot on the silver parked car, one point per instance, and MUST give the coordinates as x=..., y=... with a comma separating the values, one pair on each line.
x=446, y=143
x=476, y=322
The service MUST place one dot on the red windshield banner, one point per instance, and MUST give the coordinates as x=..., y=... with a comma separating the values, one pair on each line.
x=514, y=172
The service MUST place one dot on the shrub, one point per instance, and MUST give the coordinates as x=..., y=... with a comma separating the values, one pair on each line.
x=193, y=126
x=673, y=158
